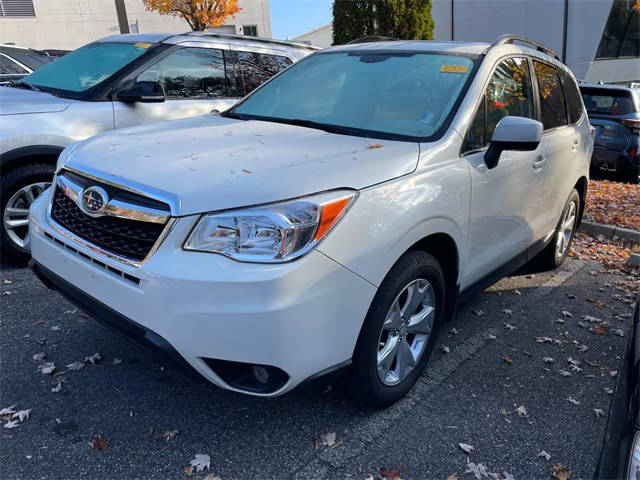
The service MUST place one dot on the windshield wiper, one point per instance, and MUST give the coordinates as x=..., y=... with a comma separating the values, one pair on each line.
x=28, y=86
x=297, y=122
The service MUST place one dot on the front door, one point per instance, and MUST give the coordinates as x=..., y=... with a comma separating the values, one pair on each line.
x=505, y=210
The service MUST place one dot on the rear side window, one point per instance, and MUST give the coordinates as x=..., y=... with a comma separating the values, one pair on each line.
x=9, y=67
x=574, y=101
x=552, y=102
x=607, y=102
x=509, y=93
x=190, y=73
x=257, y=68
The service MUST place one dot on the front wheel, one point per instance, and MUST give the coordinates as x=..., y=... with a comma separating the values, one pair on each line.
x=20, y=187
x=400, y=331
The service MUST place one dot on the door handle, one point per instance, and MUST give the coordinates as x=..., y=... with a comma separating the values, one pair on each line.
x=539, y=162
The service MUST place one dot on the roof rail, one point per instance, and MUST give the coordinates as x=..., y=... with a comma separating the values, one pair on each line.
x=510, y=39
x=249, y=38
x=371, y=40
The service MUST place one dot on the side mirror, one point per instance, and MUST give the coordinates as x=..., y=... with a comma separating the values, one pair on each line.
x=144, y=92
x=513, y=133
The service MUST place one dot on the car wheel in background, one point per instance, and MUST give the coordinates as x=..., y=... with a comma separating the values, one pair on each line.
x=20, y=187
x=400, y=331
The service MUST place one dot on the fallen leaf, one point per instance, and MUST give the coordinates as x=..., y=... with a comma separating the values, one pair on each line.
x=608, y=390
x=22, y=415
x=466, y=448
x=477, y=312
x=507, y=360
x=377, y=145
x=445, y=349
x=517, y=292
x=522, y=411
x=93, y=359
x=12, y=424
x=572, y=400
x=211, y=476
x=8, y=410
x=168, y=435
x=544, y=455
x=454, y=331
x=57, y=388
x=508, y=326
x=38, y=357
x=7, y=282
x=99, y=443
x=46, y=368
x=247, y=171
x=507, y=311
x=600, y=330
x=618, y=332
x=55, y=328
x=201, y=462
x=454, y=476
x=478, y=470
x=188, y=470
x=117, y=361
x=491, y=337
x=564, y=373
x=560, y=472
x=599, y=412
x=390, y=474
x=75, y=366
x=567, y=314
x=548, y=360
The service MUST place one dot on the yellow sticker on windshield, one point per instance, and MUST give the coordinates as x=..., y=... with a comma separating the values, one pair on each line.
x=142, y=45
x=454, y=69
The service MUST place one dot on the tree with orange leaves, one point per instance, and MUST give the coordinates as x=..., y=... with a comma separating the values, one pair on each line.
x=199, y=14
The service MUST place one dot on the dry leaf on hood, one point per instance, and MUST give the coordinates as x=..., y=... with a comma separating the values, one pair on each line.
x=545, y=455
x=99, y=443
x=47, y=368
x=377, y=145
x=467, y=448
x=201, y=462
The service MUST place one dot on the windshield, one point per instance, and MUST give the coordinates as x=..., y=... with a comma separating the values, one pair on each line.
x=86, y=67
x=612, y=103
x=402, y=94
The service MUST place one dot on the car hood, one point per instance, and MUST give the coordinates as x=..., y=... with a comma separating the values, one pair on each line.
x=19, y=100
x=212, y=163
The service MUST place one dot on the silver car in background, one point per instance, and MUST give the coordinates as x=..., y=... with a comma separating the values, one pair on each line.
x=117, y=82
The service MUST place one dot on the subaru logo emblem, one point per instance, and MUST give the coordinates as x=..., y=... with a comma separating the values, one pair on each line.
x=94, y=199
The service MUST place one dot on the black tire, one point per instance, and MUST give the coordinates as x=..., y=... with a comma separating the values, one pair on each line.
x=12, y=181
x=549, y=258
x=633, y=177
x=365, y=385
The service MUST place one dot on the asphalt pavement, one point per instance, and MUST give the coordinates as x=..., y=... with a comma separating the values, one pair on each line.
x=493, y=391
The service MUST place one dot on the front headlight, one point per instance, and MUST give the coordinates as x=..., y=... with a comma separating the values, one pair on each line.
x=272, y=233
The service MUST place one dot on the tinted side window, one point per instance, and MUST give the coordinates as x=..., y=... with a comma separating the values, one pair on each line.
x=190, y=73
x=9, y=67
x=574, y=102
x=257, y=68
x=509, y=93
x=552, y=104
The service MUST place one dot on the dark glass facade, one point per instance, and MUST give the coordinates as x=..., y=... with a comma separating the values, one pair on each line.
x=621, y=37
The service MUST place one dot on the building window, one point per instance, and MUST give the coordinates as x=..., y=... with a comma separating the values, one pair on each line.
x=250, y=30
x=17, y=8
x=621, y=37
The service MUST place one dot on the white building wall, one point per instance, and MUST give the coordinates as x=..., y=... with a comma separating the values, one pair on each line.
x=69, y=24
x=319, y=37
x=542, y=21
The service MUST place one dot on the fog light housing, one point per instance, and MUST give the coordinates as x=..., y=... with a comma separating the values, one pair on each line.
x=252, y=378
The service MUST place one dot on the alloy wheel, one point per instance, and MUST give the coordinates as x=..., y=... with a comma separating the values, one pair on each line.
x=16, y=213
x=565, y=230
x=406, y=331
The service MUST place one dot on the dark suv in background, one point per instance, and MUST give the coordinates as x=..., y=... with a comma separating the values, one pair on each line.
x=614, y=111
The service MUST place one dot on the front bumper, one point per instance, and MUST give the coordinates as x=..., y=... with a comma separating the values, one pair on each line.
x=302, y=317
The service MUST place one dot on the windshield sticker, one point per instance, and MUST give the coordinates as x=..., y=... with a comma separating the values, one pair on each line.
x=142, y=45
x=454, y=69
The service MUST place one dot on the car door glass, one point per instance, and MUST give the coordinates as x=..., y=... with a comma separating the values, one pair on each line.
x=552, y=103
x=257, y=68
x=574, y=101
x=190, y=73
x=9, y=67
x=509, y=93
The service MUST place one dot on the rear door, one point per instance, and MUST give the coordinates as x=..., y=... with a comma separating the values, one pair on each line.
x=255, y=65
x=561, y=143
x=196, y=80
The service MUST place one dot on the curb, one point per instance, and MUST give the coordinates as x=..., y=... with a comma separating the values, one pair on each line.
x=609, y=231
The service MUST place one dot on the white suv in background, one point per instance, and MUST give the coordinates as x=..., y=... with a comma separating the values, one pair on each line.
x=333, y=218
x=117, y=82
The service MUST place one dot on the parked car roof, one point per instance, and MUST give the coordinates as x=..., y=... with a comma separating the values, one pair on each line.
x=609, y=86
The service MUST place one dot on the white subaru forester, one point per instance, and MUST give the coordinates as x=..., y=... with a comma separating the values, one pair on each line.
x=333, y=218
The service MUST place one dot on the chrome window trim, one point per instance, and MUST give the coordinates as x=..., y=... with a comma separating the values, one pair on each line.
x=113, y=208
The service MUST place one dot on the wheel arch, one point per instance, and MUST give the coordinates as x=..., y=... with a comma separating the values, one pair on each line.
x=582, y=186
x=30, y=154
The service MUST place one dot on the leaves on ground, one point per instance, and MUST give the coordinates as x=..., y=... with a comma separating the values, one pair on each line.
x=327, y=440
x=478, y=470
x=545, y=455
x=38, y=357
x=390, y=474
x=560, y=472
x=613, y=203
x=75, y=366
x=46, y=368
x=99, y=443
x=201, y=462
x=93, y=359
